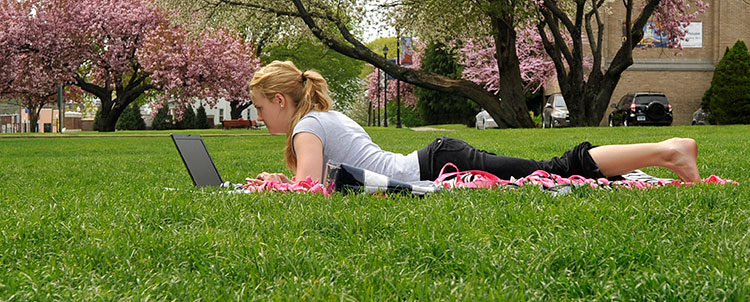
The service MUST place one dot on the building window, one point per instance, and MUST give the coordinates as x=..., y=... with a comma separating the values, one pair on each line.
x=47, y=127
x=221, y=115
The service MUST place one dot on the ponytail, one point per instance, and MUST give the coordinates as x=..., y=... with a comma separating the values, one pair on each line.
x=308, y=90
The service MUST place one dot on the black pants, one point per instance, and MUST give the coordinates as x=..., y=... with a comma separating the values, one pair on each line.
x=449, y=150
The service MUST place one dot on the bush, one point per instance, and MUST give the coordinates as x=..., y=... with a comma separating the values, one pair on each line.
x=410, y=116
x=728, y=98
x=201, y=120
x=162, y=120
x=131, y=119
x=188, y=119
x=439, y=107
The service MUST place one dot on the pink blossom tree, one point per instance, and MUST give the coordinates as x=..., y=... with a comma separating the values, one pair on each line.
x=119, y=50
x=587, y=97
x=215, y=65
x=477, y=55
x=34, y=62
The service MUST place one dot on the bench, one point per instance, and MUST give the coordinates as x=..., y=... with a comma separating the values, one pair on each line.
x=227, y=124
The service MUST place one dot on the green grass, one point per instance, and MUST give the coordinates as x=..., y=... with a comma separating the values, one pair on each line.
x=89, y=219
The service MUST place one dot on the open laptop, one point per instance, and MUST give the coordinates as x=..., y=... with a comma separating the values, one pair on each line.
x=197, y=160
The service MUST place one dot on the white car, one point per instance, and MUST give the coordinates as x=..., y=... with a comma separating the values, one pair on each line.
x=485, y=120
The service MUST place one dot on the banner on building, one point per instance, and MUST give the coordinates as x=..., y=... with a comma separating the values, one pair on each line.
x=653, y=38
x=406, y=57
x=693, y=35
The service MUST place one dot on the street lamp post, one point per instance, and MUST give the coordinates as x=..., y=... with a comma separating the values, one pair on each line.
x=385, y=94
x=378, y=97
x=398, y=83
x=369, y=113
x=60, y=110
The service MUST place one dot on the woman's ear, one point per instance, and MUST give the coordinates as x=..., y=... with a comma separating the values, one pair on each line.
x=280, y=99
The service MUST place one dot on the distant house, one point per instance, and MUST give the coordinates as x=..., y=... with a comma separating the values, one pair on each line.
x=219, y=112
x=15, y=119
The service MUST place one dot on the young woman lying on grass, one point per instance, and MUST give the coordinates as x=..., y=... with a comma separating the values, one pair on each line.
x=297, y=103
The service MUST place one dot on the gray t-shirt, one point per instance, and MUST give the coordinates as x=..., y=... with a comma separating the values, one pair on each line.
x=344, y=141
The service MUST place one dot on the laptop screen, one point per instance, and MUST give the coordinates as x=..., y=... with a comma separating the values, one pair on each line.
x=195, y=156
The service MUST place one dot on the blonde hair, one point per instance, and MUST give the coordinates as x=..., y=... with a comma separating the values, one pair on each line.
x=308, y=90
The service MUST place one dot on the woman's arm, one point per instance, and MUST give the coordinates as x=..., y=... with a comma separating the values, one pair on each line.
x=309, y=151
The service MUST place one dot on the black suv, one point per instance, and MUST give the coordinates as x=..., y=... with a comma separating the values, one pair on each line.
x=641, y=108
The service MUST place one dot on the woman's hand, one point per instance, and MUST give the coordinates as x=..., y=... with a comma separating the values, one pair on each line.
x=265, y=176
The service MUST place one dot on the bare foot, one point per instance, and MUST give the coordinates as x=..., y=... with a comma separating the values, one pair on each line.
x=682, y=158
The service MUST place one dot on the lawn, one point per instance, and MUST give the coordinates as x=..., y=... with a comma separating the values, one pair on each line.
x=89, y=218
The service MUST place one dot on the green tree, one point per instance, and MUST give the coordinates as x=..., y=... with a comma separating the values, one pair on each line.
x=341, y=72
x=162, y=120
x=131, y=119
x=188, y=119
x=437, y=107
x=728, y=98
x=201, y=120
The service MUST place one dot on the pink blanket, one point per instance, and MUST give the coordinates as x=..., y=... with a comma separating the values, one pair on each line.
x=480, y=179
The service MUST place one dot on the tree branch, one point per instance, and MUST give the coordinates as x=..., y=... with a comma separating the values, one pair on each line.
x=562, y=76
x=595, y=42
x=558, y=13
x=417, y=77
x=624, y=56
x=562, y=47
x=130, y=95
x=100, y=92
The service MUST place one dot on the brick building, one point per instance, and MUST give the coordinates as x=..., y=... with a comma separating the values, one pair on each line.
x=683, y=78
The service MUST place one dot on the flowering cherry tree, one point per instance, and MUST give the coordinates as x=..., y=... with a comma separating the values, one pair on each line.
x=477, y=55
x=215, y=65
x=33, y=61
x=119, y=50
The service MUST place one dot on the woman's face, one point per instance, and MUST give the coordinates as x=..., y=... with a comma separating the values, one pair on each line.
x=275, y=112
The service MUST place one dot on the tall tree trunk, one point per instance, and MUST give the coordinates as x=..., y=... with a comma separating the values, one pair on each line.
x=111, y=111
x=34, y=111
x=512, y=97
x=236, y=108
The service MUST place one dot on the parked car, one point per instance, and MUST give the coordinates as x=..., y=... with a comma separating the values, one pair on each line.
x=485, y=120
x=700, y=117
x=555, y=113
x=641, y=108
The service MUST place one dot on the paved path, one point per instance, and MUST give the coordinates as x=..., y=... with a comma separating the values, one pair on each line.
x=430, y=129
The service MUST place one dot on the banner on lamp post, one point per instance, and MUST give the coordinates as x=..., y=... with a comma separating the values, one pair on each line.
x=389, y=76
x=406, y=56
